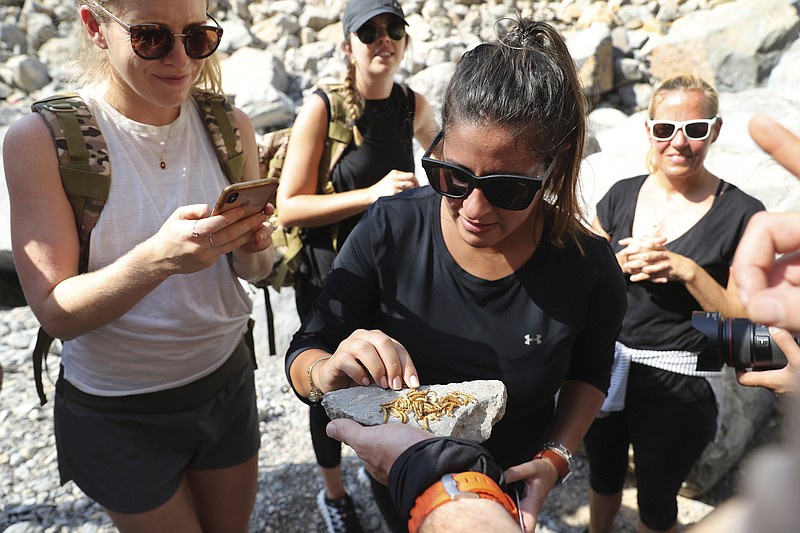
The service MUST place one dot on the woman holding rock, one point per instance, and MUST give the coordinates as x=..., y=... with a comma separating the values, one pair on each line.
x=488, y=274
x=385, y=118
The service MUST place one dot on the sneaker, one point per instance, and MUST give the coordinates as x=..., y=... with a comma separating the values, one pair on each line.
x=340, y=515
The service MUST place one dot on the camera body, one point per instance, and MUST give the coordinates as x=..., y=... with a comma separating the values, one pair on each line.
x=736, y=342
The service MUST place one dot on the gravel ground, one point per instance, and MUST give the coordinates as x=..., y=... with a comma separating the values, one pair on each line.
x=32, y=501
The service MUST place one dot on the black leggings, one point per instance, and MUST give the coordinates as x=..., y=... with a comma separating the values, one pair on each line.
x=327, y=450
x=670, y=419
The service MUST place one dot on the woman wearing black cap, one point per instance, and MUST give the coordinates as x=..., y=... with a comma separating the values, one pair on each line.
x=385, y=117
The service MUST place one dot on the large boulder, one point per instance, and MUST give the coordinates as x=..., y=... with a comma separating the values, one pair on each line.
x=735, y=45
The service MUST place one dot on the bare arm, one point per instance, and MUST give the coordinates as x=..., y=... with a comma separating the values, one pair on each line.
x=300, y=205
x=380, y=446
x=425, y=124
x=711, y=295
x=472, y=515
x=578, y=404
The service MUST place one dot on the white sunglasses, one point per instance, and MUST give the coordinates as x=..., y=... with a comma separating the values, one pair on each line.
x=695, y=130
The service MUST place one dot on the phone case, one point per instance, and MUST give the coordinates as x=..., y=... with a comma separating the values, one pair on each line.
x=251, y=196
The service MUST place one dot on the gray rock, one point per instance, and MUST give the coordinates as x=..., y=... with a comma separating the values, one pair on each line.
x=473, y=421
x=785, y=77
x=13, y=38
x=709, y=43
x=27, y=73
x=593, y=54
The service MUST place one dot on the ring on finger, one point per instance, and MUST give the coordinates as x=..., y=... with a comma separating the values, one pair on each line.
x=211, y=240
x=195, y=234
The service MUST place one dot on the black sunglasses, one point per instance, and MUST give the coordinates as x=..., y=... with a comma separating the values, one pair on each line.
x=154, y=41
x=368, y=32
x=506, y=191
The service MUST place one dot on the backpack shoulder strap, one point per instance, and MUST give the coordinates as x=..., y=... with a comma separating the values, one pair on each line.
x=217, y=114
x=86, y=177
x=83, y=160
x=340, y=135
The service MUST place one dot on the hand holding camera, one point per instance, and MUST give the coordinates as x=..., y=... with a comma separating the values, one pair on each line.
x=740, y=343
x=780, y=381
x=770, y=287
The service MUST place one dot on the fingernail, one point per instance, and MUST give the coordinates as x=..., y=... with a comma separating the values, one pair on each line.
x=330, y=428
x=397, y=383
x=384, y=383
x=413, y=381
x=366, y=382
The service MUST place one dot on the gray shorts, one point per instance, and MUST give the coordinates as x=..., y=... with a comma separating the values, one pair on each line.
x=129, y=454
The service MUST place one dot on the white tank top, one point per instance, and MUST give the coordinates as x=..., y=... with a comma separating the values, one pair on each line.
x=188, y=325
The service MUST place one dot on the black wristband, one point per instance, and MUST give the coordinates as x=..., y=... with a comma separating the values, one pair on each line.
x=424, y=463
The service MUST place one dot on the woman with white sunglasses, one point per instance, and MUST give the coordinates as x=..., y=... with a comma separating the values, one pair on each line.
x=489, y=273
x=155, y=407
x=674, y=232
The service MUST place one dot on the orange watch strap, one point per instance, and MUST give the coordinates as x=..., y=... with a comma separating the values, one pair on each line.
x=561, y=464
x=455, y=487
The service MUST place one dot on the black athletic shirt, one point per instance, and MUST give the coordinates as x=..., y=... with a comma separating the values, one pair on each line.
x=556, y=318
x=659, y=314
x=387, y=126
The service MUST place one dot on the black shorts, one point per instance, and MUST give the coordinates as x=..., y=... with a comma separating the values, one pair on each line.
x=129, y=454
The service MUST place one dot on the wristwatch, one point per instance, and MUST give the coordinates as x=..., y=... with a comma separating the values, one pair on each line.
x=456, y=487
x=560, y=456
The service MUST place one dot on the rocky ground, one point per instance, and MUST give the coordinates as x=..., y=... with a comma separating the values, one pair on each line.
x=32, y=501
x=30, y=498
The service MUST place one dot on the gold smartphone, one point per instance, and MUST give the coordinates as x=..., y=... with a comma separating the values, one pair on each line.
x=251, y=196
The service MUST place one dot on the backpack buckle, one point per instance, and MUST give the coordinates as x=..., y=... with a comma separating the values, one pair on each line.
x=59, y=107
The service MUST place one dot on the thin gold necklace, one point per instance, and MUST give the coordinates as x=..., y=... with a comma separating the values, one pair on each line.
x=656, y=227
x=163, y=155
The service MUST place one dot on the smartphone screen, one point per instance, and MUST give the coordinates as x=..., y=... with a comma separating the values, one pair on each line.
x=251, y=196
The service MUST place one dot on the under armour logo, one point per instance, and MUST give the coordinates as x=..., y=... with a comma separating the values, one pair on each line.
x=529, y=339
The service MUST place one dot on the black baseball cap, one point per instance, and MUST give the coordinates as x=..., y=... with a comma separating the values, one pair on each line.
x=358, y=12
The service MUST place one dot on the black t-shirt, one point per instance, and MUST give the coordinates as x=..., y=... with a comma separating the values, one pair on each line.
x=554, y=319
x=659, y=314
x=387, y=126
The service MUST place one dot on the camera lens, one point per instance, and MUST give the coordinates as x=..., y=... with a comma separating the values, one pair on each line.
x=736, y=342
x=232, y=198
x=748, y=345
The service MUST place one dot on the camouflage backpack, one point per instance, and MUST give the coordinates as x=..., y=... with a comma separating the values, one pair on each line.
x=86, y=172
x=272, y=153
